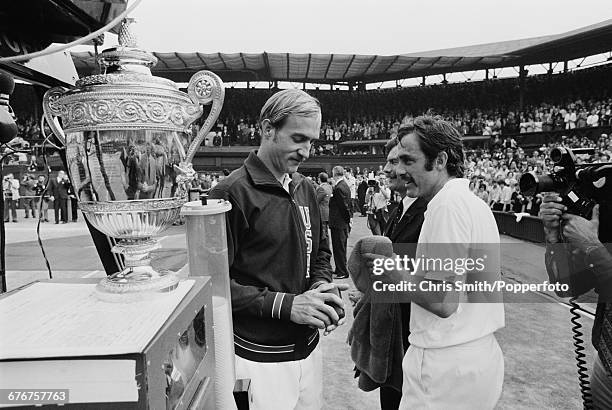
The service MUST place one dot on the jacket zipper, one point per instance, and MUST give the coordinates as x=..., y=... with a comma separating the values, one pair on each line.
x=296, y=213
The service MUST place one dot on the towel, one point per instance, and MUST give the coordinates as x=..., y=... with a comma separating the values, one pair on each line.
x=358, y=270
x=376, y=335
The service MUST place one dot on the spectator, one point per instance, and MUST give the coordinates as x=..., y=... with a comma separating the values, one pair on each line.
x=376, y=198
x=59, y=195
x=10, y=190
x=42, y=198
x=27, y=184
x=324, y=193
x=340, y=220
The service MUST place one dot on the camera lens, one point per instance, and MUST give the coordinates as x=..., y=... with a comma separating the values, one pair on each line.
x=556, y=154
x=528, y=184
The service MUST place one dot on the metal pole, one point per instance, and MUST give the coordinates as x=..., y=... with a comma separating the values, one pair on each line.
x=522, y=75
x=2, y=239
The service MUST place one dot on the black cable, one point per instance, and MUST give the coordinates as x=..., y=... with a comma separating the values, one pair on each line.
x=583, y=376
x=3, y=287
x=40, y=203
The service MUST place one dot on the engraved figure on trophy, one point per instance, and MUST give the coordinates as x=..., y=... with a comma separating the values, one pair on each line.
x=78, y=168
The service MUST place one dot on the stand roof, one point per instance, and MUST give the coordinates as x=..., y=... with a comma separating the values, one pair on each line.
x=354, y=68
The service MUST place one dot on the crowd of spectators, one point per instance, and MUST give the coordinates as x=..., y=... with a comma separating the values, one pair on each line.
x=567, y=103
x=573, y=100
x=577, y=99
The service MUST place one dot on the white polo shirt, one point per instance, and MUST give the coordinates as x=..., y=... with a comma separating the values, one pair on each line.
x=456, y=216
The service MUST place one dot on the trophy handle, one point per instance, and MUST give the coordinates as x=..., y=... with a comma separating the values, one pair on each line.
x=205, y=87
x=52, y=109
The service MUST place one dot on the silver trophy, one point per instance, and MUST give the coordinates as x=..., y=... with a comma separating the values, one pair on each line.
x=129, y=149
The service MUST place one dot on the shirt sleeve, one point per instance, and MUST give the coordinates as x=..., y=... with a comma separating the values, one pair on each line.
x=321, y=270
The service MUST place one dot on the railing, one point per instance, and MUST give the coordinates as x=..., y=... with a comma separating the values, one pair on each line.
x=536, y=139
x=529, y=228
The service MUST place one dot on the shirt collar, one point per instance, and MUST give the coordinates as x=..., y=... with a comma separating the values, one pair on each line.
x=407, y=201
x=284, y=181
x=261, y=174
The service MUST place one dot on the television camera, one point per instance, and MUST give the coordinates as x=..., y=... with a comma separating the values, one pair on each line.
x=580, y=186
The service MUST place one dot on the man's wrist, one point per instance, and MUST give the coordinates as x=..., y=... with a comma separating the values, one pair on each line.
x=317, y=284
x=551, y=236
x=278, y=305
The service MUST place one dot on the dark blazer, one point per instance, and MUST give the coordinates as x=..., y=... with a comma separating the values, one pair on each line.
x=393, y=317
x=340, y=205
x=405, y=236
x=59, y=189
x=361, y=191
x=408, y=228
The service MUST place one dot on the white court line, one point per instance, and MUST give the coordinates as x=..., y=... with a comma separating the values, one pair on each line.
x=92, y=273
x=580, y=312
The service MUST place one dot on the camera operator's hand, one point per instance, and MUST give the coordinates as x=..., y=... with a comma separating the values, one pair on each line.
x=581, y=232
x=550, y=212
x=313, y=307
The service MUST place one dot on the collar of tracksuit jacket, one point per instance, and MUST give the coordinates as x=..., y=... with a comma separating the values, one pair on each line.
x=262, y=176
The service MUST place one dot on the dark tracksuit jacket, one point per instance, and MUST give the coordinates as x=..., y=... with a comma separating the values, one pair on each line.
x=276, y=250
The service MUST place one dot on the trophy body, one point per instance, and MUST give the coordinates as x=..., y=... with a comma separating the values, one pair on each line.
x=129, y=148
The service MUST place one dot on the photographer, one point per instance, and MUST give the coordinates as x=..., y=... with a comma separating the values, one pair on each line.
x=576, y=255
x=10, y=189
x=27, y=185
x=377, y=196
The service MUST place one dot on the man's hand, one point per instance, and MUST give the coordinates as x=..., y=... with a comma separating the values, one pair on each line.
x=335, y=288
x=550, y=212
x=355, y=296
x=313, y=307
x=580, y=232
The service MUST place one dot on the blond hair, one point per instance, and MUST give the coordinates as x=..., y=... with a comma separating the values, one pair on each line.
x=289, y=102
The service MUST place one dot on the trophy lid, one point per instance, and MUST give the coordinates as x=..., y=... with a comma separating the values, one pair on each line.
x=127, y=53
x=126, y=95
x=124, y=62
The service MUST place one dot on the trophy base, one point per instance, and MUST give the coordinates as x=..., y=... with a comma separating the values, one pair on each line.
x=134, y=284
